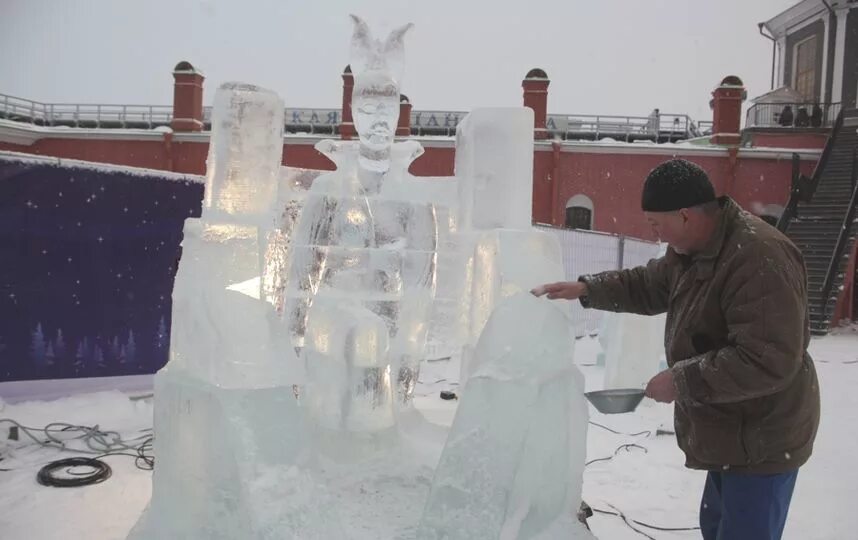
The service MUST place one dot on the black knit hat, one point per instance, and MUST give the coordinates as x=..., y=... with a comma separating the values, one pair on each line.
x=674, y=185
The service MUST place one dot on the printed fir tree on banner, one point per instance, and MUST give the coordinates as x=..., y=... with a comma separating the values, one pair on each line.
x=50, y=357
x=114, y=348
x=162, y=339
x=82, y=355
x=130, y=348
x=59, y=345
x=98, y=357
x=38, y=348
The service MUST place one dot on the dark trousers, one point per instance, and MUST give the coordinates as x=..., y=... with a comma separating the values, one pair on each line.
x=745, y=506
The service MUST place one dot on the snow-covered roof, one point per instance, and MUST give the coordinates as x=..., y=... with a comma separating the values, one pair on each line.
x=780, y=24
x=104, y=167
x=784, y=94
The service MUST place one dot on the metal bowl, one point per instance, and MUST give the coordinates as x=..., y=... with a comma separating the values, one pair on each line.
x=616, y=401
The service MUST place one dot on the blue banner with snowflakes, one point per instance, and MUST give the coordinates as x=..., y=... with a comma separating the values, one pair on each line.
x=88, y=254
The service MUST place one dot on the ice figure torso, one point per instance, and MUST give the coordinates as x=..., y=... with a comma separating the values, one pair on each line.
x=360, y=285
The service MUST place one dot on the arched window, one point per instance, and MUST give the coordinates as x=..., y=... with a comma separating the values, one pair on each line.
x=579, y=213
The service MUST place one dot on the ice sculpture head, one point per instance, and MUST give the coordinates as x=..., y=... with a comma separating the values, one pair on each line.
x=375, y=107
x=377, y=67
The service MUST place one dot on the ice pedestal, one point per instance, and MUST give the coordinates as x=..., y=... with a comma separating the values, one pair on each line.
x=225, y=466
x=514, y=459
x=633, y=348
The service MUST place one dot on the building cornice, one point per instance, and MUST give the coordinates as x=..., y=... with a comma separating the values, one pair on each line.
x=799, y=14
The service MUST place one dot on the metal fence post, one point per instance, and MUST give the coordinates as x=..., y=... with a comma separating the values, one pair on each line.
x=621, y=251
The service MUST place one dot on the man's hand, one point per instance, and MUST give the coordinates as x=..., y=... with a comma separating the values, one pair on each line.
x=661, y=387
x=570, y=290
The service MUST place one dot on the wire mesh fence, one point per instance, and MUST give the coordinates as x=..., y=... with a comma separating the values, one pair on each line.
x=588, y=252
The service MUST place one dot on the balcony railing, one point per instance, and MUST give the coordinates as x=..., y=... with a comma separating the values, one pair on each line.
x=792, y=115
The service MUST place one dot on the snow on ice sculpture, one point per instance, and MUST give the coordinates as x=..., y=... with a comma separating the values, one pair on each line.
x=362, y=259
x=226, y=419
x=513, y=464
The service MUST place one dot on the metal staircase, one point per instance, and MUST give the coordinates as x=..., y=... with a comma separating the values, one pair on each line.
x=820, y=219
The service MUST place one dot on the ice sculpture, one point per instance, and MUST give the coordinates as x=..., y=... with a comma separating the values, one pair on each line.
x=225, y=408
x=514, y=458
x=252, y=442
x=363, y=254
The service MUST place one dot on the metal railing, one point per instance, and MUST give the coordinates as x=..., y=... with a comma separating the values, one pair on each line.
x=843, y=237
x=705, y=127
x=656, y=127
x=83, y=115
x=792, y=115
x=802, y=187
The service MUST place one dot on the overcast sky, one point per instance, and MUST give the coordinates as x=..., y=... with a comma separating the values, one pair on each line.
x=602, y=56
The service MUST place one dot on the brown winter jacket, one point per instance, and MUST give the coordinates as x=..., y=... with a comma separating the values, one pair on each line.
x=736, y=339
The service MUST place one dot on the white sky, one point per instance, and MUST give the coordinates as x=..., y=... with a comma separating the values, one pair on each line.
x=602, y=56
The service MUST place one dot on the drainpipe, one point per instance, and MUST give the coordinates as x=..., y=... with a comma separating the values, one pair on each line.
x=555, y=183
x=832, y=28
x=168, y=150
x=733, y=159
x=774, y=49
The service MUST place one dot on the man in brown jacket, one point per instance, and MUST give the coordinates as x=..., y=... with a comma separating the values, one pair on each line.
x=745, y=389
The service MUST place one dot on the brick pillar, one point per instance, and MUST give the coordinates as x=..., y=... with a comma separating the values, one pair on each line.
x=347, y=125
x=187, y=98
x=727, y=111
x=535, y=86
x=403, y=128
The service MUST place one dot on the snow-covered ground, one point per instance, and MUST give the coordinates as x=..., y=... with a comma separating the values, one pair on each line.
x=647, y=482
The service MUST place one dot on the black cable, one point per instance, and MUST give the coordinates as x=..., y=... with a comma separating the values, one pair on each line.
x=646, y=433
x=99, y=443
x=626, y=447
x=631, y=522
x=625, y=520
x=47, y=474
x=644, y=524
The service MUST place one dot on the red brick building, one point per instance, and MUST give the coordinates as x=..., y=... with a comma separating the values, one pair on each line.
x=595, y=162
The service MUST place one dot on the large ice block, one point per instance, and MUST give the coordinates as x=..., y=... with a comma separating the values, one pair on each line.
x=494, y=167
x=506, y=262
x=514, y=459
x=245, y=151
x=227, y=466
x=220, y=335
x=633, y=347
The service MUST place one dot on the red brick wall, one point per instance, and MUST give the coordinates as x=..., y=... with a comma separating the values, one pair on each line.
x=612, y=179
x=134, y=153
x=789, y=140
